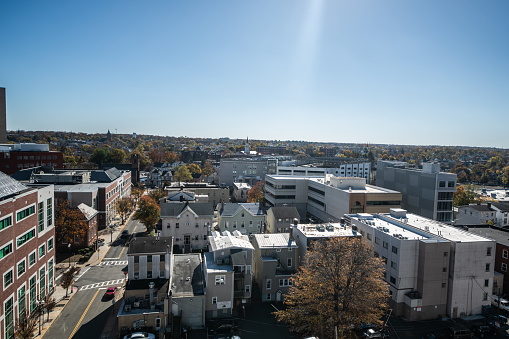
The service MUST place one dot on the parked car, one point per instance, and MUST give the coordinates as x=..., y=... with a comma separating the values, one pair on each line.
x=504, y=304
x=140, y=335
x=458, y=332
x=483, y=329
x=110, y=292
x=373, y=333
x=125, y=234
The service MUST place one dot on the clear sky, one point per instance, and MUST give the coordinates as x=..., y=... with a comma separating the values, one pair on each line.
x=392, y=71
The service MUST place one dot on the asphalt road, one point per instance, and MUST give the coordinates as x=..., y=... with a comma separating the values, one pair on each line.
x=84, y=315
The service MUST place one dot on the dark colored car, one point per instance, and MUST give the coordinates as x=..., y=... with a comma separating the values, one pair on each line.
x=110, y=292
x=482, y=329
x=125, y=234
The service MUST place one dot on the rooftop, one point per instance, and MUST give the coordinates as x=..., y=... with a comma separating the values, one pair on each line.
x=274, y=240
x=326, y=230
x=9, y=186
x=501, y=236
x=150, y=245
x=285, y=212
x=229, y=240
x=187, y=278
x=213, y=267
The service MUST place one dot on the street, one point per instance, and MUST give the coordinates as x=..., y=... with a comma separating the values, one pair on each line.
x=87, y=312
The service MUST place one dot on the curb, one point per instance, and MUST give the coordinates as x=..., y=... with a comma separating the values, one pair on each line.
x=44, y=330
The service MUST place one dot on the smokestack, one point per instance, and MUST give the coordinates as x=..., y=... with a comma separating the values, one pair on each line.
x=3, y=112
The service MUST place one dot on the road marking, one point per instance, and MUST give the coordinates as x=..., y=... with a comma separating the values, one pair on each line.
x=127, y=243
x=85, y=271
x=113, y=263
x=83, y=315
x=101, y=284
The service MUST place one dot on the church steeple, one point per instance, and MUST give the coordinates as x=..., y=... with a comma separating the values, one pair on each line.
x=246, y=149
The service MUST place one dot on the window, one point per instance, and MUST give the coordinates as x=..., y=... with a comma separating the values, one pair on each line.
x=444, y=285
x=5, y=250
x=177, y=225
x=377, y=240
x=162, y=258
x=268, y=296
x=21, y=302
x=149, y=274
x=444, y=269
x=248, y=288
x=248, y=269
x=42, y=251
x=242, y=224
x=25, y=213
x=33, y=281
x=289, y=262
x=486, y=282
x=446, y=254
x=214, y=300
x=9, y=318
x=22, y=267
x=504, y=254
x=42, y=282
x=485, y=296
x=504, y=267
x=40, y=216
x=204, y=237
x=168, y=226
x=136, y=259
x=31, y=259
x=393, y=280
x=384, y=259
x=487, y=267
x=369, y=236
x=50, y=244
x=220, y=279
x=441, y=184
x=25, y=237
x=394, y=249
x=197, y=225
x=234, y=224
x=386, y=245
x=268, y=284
x=8, y=278
x=284, y=282
x=451, y=184
x=5, y=222
x=394, y=265
x=488, y=252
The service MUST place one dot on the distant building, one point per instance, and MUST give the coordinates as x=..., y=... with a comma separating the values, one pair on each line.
x=247, y=218
x=3, y=120
x=240, y=190
x=427, y=192
x=248, y=170
x=432, y=268
x=215, y=193
x=328, y=198
x=15, y=157
x=27, y=254
x=490, y=212
x=279, y=150
x=359, y=169
x=280, y=219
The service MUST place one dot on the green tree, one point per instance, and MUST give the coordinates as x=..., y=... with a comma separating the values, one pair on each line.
x=182, y=174
x=148, y=213
x=464, y=195
x=118, y=156
x=100, y=156
x=339, y=286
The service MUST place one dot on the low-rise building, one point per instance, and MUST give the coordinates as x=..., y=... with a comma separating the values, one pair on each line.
x=240, y=190
x=275, y=260
x=188, y=223
x=280, y=219
x=215, y=193
x=247, y=218
x=495, y=213
x=432, y=268
x=228, y=273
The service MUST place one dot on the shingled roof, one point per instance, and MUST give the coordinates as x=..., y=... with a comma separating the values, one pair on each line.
x=153, y=245
x=284, y=212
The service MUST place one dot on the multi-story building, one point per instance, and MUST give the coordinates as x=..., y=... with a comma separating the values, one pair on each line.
x=432, y=268
x=495, y=213
x=215, y=193
x=188, y=223
x=280, y=219
x=240, y=190
x=97, y=189
x=427, y=192
x=347, y=169
x=228, y=273
x=328, y=198
x=275, y=260
x=249, y=170
x=247, y=218
x=15, y=157
x=27, y=255
x=280, y=150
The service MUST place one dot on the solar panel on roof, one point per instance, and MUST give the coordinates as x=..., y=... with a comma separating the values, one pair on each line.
x=9, y=186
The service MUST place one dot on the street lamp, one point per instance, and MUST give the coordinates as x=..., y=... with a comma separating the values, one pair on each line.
x=69, y=246
x=38, y=304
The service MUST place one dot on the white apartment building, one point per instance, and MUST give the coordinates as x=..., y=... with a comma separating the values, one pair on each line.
x=354, y=169
x=432, y=268
x=477, y=214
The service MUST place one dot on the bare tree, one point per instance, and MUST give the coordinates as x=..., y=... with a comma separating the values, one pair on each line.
x=49, y=304
x=68, y=278
x=26, y=325
x=339, y=286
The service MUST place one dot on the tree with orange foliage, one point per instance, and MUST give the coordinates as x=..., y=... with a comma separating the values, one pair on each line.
x=339, y=286
x=257, y=192
x=148, y=213
x=70, y=226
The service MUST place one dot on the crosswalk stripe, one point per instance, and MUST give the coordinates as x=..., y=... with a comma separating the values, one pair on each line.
x=101, y=284
x=113, y=263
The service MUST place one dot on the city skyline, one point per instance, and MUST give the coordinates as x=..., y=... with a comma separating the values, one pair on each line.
x=429, y=73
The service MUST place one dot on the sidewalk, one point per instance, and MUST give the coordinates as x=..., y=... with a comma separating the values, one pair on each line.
x=59, y=293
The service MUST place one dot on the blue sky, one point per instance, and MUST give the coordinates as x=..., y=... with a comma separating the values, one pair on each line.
x=403, y=72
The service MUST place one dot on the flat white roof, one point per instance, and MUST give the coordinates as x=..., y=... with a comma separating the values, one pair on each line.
x=391, y=227
x=326, y=230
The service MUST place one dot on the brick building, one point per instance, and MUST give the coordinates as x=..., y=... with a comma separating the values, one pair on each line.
x=15, y=157
x=27, y=255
